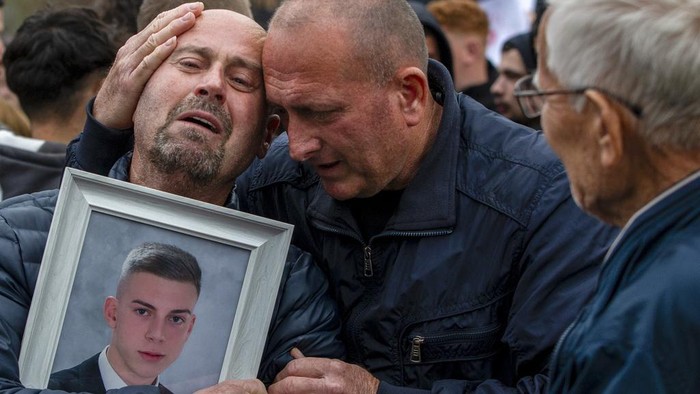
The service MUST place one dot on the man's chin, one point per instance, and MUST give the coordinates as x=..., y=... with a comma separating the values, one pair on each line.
x=345, y=190
x=339, y=190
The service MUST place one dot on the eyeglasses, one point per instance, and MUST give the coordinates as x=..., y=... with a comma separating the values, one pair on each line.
x=531, y=99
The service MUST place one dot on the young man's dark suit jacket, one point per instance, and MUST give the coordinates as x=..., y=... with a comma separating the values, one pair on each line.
x=84, y=377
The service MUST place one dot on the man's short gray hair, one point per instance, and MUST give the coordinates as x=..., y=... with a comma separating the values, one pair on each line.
x=644, y=51
x=384, y=34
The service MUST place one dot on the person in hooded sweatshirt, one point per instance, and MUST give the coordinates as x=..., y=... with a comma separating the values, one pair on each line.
x=435, y=39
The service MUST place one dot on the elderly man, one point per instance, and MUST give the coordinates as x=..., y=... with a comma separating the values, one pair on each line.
x=198, y=122
x=449, y=235
x=622, y=114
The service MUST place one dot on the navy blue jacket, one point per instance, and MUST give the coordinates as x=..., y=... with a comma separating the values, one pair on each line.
x=484, y=263
x=638, y=333
x=305, y=316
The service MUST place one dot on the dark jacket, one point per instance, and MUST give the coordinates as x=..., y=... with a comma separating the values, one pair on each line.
x=28, y=165
x=638, y=333
x=304, y=317
x=86, y=377
x=484, y=263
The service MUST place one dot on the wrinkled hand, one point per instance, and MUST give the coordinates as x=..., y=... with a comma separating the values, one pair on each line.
x=135, y=63
x=321, y=375
x=250, y=386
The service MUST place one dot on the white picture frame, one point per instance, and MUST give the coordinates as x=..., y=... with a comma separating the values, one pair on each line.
x=95, y=213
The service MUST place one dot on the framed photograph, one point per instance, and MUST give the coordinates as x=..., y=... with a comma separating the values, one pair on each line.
x=97, y=221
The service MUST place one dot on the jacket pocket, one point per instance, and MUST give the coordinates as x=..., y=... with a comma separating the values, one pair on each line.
x=470, y=354
x=459, y=345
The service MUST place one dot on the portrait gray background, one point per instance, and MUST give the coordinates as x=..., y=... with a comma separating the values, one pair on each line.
x=108, y=240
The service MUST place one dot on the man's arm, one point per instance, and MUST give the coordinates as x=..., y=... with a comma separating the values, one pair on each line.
x=305, y=317
x=98, y=147
x=108, y=129
x=558, y=272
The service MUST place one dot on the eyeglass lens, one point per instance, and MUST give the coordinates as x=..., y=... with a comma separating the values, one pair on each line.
x=530, y=104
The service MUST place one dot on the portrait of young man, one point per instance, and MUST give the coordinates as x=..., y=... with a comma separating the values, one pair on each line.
x=151, y=317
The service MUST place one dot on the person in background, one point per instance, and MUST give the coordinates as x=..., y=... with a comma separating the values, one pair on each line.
x=215, y=121
x=263, y=10
x=630, y=141
x=151, y=317
x=121, y=17
x=517, y=60
x=54, y=75
x=435, y=40
x=5, y=93
x=466, y=26
x=457, y=257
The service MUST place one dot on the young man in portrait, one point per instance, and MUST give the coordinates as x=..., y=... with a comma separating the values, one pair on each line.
x=151, y=317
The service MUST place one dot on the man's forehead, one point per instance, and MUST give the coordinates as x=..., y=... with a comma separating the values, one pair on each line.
x=511, y=60
x=225, y=27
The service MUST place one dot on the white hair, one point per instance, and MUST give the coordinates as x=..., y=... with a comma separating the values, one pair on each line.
x=647, y=52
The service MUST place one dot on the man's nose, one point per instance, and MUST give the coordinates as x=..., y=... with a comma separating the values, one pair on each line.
x=497, y=87
x=302, y=141
x=155, y=331
x=212, y=86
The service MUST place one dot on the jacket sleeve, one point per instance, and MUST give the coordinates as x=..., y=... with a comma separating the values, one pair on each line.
x=562, y=255
x=98, y=147
x=15, y=299
x=305, y=317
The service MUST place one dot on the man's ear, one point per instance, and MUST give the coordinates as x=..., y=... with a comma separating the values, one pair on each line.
x=473, y=50
x=611, y=127
x=271, y=128
x=110, y=311
x=414, y=94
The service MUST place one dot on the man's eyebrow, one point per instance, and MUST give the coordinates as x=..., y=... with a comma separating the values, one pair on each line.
x=513, y=72
x=236, y=61
x=149, y=306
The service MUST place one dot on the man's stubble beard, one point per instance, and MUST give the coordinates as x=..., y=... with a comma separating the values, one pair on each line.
x=197, y=161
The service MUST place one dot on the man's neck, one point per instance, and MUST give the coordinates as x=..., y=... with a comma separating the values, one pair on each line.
x=663, y=169
x=142, y=172
x=55, y=131
x=114, y=374
x=181, y=185
x=426, y=131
